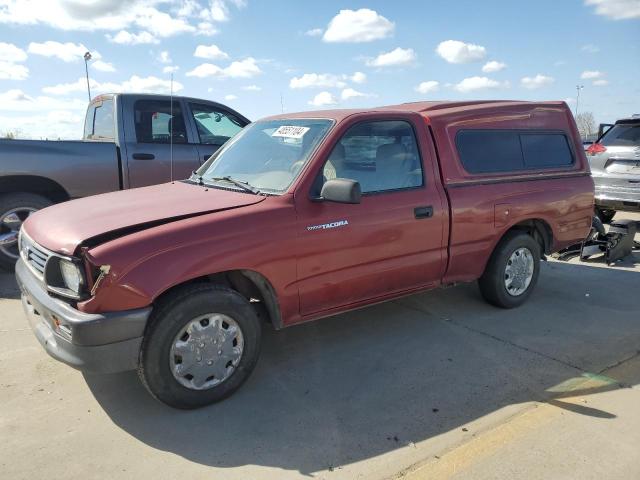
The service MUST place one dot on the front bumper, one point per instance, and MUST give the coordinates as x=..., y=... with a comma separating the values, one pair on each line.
x=96, y=343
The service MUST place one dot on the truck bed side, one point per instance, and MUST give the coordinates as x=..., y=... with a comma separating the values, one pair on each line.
x=79, y=168
x=483, y=207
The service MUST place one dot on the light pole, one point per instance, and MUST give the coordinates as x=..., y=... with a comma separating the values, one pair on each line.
x=87, y=57
x=578, y=88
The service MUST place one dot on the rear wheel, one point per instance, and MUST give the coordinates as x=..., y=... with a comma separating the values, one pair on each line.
x=202, y=343
x=14, y=210
x=512, y=271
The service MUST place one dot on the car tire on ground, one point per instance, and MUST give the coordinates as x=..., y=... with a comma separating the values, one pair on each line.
x=14, y=209
x=512, y=271
x=605, y=215
x=202, y=342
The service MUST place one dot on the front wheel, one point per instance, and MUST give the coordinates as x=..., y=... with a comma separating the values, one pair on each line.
x=202, y=343
x=14, y=210
x=512, y=271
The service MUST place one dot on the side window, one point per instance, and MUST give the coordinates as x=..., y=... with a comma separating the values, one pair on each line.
x=154, y=119
x=487, y=151
x=88, y=121
x=503, y=151
x=545, y=150
x=380, y=155
x=214, y=126
x=103, y=123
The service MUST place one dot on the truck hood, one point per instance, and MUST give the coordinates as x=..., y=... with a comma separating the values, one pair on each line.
x=63, y=227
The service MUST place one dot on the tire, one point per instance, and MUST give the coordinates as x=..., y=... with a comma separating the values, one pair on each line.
x=159, y=356
x=493, y=282
x=16, y=206
x=605, y=215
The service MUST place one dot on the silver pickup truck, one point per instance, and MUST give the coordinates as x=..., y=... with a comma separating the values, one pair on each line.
x=126, y=144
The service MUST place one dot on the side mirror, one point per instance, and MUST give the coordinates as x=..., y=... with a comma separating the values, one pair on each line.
x=341, y=190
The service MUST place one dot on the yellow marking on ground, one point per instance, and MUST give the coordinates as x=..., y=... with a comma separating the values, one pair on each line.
x=487, y=443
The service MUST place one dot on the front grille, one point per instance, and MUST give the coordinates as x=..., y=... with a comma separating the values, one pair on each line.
x=34, y=255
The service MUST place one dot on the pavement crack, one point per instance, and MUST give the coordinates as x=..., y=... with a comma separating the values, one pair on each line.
x=499, y=339
x=620, y=362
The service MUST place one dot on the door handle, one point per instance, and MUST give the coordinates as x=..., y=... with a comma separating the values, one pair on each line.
x=423, y=212
x=143, y=156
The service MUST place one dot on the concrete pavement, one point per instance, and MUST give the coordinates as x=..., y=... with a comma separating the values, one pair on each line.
x=436, y=385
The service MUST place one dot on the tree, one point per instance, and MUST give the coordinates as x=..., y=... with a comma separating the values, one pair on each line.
x=586, y=124
x=8, y=135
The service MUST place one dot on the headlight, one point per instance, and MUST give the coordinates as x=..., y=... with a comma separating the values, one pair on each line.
x=71, y=275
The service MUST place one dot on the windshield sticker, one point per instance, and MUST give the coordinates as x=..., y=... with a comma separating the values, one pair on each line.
x=287, y=131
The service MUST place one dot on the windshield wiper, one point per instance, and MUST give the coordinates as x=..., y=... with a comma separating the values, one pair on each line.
x=196, y=178
x=238, y=183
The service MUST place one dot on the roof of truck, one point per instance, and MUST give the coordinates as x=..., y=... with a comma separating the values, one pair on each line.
x=427, y=109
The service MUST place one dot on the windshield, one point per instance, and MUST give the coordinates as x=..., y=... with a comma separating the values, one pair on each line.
x=266, y=155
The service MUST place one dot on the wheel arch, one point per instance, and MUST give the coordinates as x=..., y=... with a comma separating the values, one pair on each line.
x=252, y=285
x=36, y=184
x=538, y=228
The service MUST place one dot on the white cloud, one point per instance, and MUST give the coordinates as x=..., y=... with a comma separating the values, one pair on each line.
x=62, y=123
x=12, y=71
x=600, y=83
x=67, y=52
x=252, y=88
x=96, y=15
x=212, y=52
x=358, y=77
x=15, y=100
x=455, y=51
x=428, y=87
x=591, y=74
x=162, y=24
x=164, y=57
x=170, y=69
x=206, y=70
x=246, y=68
x=317, y=80
x=125, y=38
x=12, y=54
x=538, y=81
x=230, y=97
x=136, y=84
x=207, y=29
x=616, y=9
x=473, y=84
x=493, y=66
x=394, y=58
x=349, y=93
x=590, y=48
x=363, y=25
x=314, y=32
x=323, y=99
x=219, y=10
x=103, y=66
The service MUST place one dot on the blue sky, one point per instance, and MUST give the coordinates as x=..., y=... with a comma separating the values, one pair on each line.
x=262, y=56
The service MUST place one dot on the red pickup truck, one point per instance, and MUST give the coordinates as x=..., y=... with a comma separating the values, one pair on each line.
x=298, y=217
